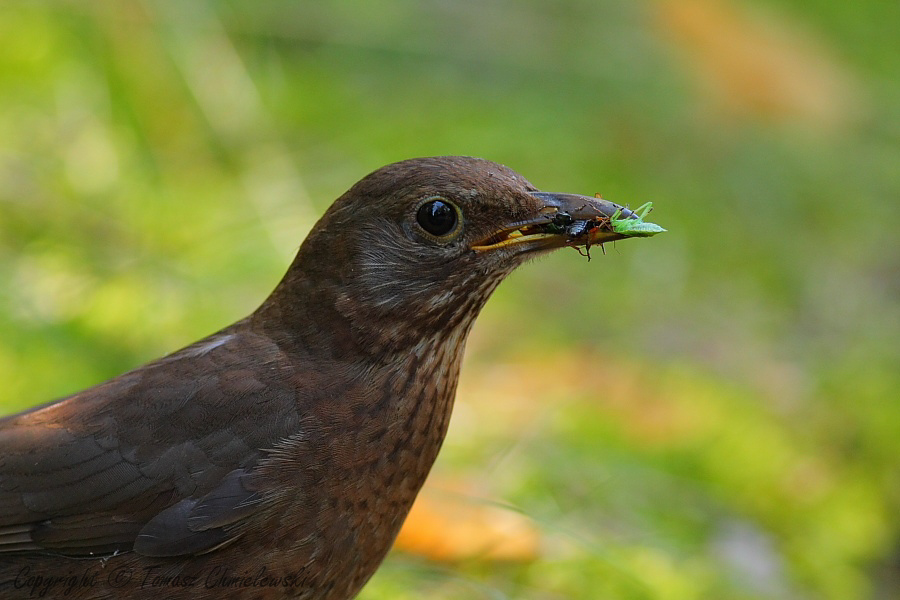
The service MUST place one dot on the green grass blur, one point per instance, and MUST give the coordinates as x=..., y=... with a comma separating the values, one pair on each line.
x=160, y=162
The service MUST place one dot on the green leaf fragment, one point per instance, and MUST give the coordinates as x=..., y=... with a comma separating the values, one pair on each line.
x=635, y=227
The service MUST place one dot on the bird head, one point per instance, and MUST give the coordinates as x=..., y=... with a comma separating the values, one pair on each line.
x=419, y=245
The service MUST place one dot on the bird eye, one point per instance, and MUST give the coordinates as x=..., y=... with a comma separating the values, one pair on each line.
x=437, y=217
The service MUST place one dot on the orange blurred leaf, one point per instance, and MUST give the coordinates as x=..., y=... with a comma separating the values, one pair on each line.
x=448, y=523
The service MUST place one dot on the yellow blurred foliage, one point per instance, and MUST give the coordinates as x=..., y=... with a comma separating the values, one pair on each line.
x=759, y=65
x=509, y=399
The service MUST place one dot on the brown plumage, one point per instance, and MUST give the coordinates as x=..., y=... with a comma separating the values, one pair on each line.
x=279, y=456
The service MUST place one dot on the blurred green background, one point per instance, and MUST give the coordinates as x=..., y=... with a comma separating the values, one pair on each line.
x=712, y=413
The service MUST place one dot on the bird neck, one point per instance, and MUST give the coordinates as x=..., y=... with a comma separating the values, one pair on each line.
x=325, y=322
x=351, y=315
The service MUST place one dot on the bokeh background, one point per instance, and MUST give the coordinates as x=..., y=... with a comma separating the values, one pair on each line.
x=713, y=413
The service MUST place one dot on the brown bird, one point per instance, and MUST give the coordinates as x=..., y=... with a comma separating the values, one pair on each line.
x=278, y=457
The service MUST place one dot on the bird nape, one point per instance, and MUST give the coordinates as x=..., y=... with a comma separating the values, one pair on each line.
x=278, y=457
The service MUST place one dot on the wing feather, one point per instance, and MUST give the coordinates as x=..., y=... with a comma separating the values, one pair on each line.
x=159, y=459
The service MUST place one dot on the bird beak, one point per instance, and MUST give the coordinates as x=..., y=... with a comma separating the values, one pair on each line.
x=570, y=220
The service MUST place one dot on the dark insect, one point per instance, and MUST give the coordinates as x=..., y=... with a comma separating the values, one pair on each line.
x=562, y=222
x=559, y=223
x=577, y=230
x=584, y=229
x=580, y=228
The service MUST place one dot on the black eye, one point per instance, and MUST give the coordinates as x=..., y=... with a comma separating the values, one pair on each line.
x=437, y=217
